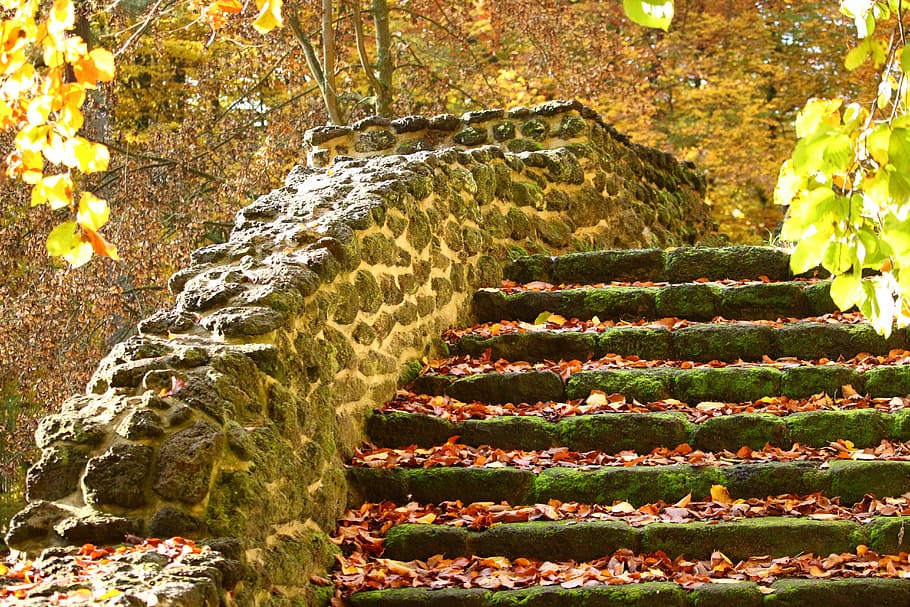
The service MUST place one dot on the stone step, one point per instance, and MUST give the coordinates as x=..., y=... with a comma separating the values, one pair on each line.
x=693, y=301
x=731, y=383
x=589, y=540
x=848, y=479
x=748, y=341
x=794, y=592
x=643, y=432
x=675, y=265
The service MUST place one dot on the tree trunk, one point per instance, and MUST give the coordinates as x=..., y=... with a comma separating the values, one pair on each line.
x=383, y=57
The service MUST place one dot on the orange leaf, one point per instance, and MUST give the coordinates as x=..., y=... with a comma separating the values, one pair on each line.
x=720, y=494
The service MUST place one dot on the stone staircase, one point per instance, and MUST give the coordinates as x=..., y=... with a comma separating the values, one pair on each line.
x=684, y=427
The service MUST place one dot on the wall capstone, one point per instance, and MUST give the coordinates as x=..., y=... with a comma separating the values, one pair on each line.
x=231, y=413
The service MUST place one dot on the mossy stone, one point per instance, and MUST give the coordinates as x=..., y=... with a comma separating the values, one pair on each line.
x=888, y=381
x=773, y=536
x=819, y=296
x=838, y=592
x=554, y=540
x=508, y=432
x=615, y=303
x=811, y=340
x=687, y=264
x=533, y=346
x=419, y=231
x=802, y=382
x=742, y=594
x=471, y=136
x=535, y=129
x=774, y=478
x=689, y=301
x=503, y=130
x=501, y=388
x=421, y=597
x=527, y=194
x=640, y=432
x=734, y=431
x=863, y=427
x=727, y=384
x=368, y=291
x=646, y=594
x=346, y=303
x=409, y=542
x=728, y=342
x=553, y=232
x=470, y=485
x=644, y=342
x=605, y=266
x=764, y=301
x=851, y=480
x=643, y=385
x=636, y=485
x=887, y=534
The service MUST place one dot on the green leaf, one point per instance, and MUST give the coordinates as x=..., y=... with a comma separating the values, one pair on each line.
x=879, y=48
x=857, y=55
x=817, y=112
x=877, y=143
x=808, y=253
x=542, y=318
x=899, y=149
x=650, y=13
x=838, y=153
x=847, y=290
x=905, y=59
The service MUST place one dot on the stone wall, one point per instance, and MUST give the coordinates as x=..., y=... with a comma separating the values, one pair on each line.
x=231, y=413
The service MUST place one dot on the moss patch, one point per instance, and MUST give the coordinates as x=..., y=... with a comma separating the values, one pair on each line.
x=643, y=385
x=396, y=429
x=764, y=301
x=646, y=343
x=723, y=342
x=691, y=301
x=865, y=427
x=730, y=384
x=733, y=431
x=509, y=432
x=641, y=432
x=635, y=485
x=851, y=480
x=802, y=382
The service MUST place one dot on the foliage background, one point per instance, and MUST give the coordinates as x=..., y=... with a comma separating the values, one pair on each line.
x=199, y=125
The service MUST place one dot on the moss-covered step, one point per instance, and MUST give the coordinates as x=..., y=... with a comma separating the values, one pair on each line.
x=814, y=340
x=648, y=594
x=697, y=342
x=684, y=264
x=510, y=387
x=692, y=301
x=590, y=267
x=836, y=592
x=643, y=432
x=614, y=303
x=848, y=479
x=589, y=540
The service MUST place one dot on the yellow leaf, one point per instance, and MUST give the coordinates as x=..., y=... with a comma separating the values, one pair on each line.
x=109, y=594
x=65, y=241
x=93, y=211
x=56, y=190
x=720, y=494
x=88, y=157
x=622, y=508
x=269, y=16
x=426, y=519
x=39, y=109
x=54, y=149
x=61, y=18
